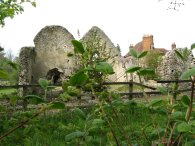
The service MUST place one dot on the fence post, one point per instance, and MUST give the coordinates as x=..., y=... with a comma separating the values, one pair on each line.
x=130, y=89
x=25, y=91
x=175, y=90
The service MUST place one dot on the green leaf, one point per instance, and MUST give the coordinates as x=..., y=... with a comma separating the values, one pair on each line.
x=146, y=71
x=185, y=100
x=88, y=69
x=163, y=90
x=156, y=103
x=104, y=67
x=27, y=129
x=79, y=78
x=147, y=125
x=57, y=105
x=186, y=53
x=98, y=122
x=177, y=115
x=133, y=53
x=65, y=85
x=178, y=53
x=192, y=122
x=183, y=127
x=13, y=65
x=187, y=74
x=74, y=135
x=65, y=96
x=73, y=91
x=43, y=83
x=79, y=113
x=142, y=54
x=33, y=4
x=3, y=75
x=156, y=132
x=78, y=47
x=192, y=46
x=133, y=69
x=51, y=87
x=34, y=99
x=190, y=143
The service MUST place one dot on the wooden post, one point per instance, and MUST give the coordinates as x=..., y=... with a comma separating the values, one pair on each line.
x=130, y=89
x=25, y=92
x=175, y=90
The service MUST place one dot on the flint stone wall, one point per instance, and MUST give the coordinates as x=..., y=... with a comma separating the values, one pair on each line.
x=26, y=58
x=172, y=67
x=52, y=44
x=109, y=49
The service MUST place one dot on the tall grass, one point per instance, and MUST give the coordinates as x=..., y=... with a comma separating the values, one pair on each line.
x=7, y=92
x=52, y=129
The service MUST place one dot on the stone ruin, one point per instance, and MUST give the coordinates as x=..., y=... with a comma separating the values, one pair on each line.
x=110, y=48
x=171, y=67
x=49, y=58
x=50, y=55
x=52, y=44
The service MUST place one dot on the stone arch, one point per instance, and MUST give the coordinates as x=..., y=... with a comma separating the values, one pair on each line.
x=54, y=75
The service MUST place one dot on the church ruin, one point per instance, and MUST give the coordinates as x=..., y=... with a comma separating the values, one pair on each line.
x=52, y=44
x=49, y=57
x=50, y=54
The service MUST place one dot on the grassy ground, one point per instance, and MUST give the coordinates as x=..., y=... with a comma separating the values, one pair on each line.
x=51, y=130
x=7, y=92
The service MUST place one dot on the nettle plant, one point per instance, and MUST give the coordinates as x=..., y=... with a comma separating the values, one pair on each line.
x=106, y=117
x=42, y=106
x=179, y=128
x=93, y=70
x=138, y=69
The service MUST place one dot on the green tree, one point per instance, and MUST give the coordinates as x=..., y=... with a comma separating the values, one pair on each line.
x=2, y=56
x=152, y=61
x=9, y=8
x=8, y=66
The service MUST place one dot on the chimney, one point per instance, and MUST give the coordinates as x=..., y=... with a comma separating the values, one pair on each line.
x=173, y=46
x=147, y=42
x=131, y=46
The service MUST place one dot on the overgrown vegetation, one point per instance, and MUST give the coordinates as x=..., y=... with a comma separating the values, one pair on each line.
x=8, y=69
x=152, y=60
x=111, y=121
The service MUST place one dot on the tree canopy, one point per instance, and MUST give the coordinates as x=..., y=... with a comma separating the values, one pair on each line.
x=9, y=8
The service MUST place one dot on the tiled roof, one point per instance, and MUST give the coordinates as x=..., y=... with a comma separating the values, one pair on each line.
x=138, y=47
x=162, y=50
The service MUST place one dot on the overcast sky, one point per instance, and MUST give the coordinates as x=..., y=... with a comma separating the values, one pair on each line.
x=124, y=22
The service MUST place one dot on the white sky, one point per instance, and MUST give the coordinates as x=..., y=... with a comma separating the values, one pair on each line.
x=124, y=22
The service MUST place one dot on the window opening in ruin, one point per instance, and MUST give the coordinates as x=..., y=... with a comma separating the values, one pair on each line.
x=54, y=75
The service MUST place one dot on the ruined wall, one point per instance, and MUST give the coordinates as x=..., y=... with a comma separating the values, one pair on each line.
x=109, y=48
x=172, y=67
x=52, y=44
x=26, y=58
